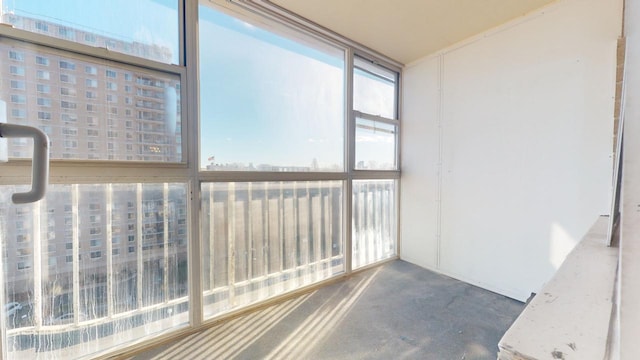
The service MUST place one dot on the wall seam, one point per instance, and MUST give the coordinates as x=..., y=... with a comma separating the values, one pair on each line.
x=439, y=165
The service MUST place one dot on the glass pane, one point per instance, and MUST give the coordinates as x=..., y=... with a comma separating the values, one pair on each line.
x=91, y=109
x=87, y=268
x=268, y=103
x=374, y=89
x=374, y=221
x=261, y=239
x=147, y=29
x=375, y=145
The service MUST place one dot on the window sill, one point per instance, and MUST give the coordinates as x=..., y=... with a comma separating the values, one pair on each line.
x=569, y=318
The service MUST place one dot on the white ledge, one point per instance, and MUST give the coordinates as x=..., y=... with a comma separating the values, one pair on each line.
x=569, y=318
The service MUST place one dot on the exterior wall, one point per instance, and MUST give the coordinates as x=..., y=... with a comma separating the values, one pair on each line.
x=507, y=146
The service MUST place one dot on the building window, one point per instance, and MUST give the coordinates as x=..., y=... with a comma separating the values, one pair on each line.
x=66, y=118
x=44, y=102
x=18, y=99
x=91, y=83
x=16, y=55
x=17, y=85
x=19, y=113
x=42, y=75
x=66, y=33
x=111, y=74
x=43, y=88
x=90, y=38
x=16, y=70
x=68, y=105
x=44, y=115
x=67, y=78
x=67, y=65
x=68, y=91
x=42, y=60
x=42, y=26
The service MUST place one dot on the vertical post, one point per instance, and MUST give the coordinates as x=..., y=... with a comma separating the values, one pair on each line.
x=165, y=234
x=231, y=250
x=37, y=260
x=139, y=240
x=212, y=237
x=75, y=200
x=109, y=254
x=350, y=159
x=249, y=236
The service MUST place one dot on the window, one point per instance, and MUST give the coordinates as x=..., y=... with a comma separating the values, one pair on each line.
x=43, y=75
x=68, y=91
x=41, y=60
x=67, y=65
x=19, y=113
x=70, y=131
x=16, y=55
x=44, y=115
x=90, y=38
x=18, y=99
x=67, y=78
x=43, y=88
x=44, y=102
x=66, y=33
x=115, y=247
x=16, y=70
x=68, y=105
x=42, y=26
x=260, y=137
x=160, y=42
x=17, y=84
x=374, y=96
x=66, y=118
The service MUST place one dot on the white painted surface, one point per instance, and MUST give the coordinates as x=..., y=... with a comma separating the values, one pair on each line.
x=420, y=158
x=526, y=141
x=410, y=29
x=569, y=318
x=629, y=275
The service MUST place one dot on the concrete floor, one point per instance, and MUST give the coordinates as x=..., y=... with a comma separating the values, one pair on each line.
x=396, y=311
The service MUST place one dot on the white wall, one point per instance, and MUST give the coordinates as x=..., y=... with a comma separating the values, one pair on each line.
x=507, y=142
x=625, y=346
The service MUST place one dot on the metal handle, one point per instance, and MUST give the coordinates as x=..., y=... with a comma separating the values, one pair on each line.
x=40, y=163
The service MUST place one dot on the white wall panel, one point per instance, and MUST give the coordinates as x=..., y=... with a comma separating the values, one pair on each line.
x=527, y=120
x=420, y=157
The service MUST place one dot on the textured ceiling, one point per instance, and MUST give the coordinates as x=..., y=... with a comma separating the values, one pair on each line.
x=406, y=30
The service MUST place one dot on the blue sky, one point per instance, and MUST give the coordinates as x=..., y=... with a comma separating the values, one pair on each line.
x=266, y=99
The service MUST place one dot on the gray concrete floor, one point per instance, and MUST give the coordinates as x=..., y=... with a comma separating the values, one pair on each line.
x=396, y=311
